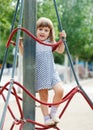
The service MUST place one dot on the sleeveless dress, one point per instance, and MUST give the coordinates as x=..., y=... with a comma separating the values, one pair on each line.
x=46, y=73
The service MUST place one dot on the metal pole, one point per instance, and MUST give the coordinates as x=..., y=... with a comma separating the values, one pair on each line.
x=29, y=62
x=13, y=70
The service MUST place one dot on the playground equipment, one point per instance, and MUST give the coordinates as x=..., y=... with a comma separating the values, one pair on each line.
x=10, y=86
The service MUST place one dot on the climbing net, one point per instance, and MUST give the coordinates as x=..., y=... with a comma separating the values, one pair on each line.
x=10, y=87
x=21, y=121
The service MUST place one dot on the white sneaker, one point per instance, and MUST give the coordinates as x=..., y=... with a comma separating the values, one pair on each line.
x=55, y=118
x=49, y=122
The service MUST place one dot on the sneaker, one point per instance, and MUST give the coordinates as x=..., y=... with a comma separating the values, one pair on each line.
x=55, y=118
x=49, y=122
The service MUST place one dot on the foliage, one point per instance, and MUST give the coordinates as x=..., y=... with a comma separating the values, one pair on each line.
x=76, y=18
x=7, y=8
x=78, y=22
x=6, y=15
x=59, y=58
x=10, y=54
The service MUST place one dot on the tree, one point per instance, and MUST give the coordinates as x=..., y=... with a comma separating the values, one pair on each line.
x=7, y=8
x=77, y=19
x=6, y=16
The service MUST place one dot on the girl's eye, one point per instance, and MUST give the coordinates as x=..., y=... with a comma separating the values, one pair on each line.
x=46, y=30
x=40, y=29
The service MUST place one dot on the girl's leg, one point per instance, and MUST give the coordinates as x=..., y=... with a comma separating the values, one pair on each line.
x=44, y=98
x=44, y=108
x=58, y=94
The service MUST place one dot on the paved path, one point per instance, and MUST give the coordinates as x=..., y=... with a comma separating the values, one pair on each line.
x=78, y=115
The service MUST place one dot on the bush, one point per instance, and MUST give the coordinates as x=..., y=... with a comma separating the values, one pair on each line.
x=59, y=58
x=2, y=54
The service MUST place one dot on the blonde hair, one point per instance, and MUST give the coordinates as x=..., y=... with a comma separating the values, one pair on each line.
x=46, y=22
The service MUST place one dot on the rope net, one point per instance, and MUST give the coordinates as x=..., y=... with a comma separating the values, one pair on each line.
x=17, y=119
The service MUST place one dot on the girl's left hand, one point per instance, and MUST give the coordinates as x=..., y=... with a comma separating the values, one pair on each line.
x=63, y=34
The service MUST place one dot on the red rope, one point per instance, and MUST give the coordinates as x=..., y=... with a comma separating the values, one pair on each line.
x=9, y=108
x=18, y=103
x=33, y=97
x=31, y=35
x=22, y=121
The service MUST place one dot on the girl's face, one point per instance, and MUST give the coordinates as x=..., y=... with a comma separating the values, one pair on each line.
x=43, y=33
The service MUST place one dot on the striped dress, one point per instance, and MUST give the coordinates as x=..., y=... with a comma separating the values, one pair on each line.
x=46, y=73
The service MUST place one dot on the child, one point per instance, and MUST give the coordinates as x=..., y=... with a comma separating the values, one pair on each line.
x=46, y=75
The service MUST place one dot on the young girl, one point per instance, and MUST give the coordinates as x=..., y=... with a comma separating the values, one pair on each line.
x=46, y=75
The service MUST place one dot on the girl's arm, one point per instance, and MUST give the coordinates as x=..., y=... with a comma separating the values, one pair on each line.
x=20, y=46
x=60, y=49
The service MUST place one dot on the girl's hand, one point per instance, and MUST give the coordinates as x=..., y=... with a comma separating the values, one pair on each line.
x=62, y=34
x=61, y=47
x=20, y=45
